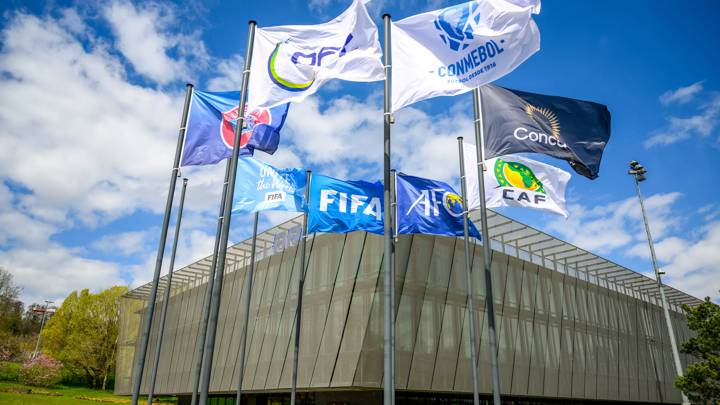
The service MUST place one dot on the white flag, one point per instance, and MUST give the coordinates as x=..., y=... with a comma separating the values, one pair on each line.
x=514, y=181
x=291, y=62
x=454, y=50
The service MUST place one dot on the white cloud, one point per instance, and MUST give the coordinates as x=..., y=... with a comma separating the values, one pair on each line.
x=692, y=265
x=344, y=137
x=123, y=243
x=680, y=128
x=681, y=95
x=81, y=146
x=603, y=229
x=56, y=271
x=142, y=35
x=229, y=74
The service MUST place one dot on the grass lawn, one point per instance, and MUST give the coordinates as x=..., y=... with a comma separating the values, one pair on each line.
x=16, y=394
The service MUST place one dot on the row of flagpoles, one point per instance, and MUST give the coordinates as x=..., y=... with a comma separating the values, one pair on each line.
x=474, y=44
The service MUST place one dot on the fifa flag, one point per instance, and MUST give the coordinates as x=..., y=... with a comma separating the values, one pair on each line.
x=514, y=181
x=564, y=128
x=260, y=187
x=345, y=206
x=456, y=49
x=210, y=132
x=429, y=207
x=291, y=62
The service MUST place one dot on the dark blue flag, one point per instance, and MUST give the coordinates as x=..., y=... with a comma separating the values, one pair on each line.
x=430, y=207
x=345, y=206
x=210, y=132
x=568, y=129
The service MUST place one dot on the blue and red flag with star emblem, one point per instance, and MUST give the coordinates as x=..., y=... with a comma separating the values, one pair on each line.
x=210, y=132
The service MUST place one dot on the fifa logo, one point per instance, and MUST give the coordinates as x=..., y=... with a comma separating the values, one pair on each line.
x=456, y=25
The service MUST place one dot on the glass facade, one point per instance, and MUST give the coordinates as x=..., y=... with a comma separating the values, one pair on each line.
x=564, y=332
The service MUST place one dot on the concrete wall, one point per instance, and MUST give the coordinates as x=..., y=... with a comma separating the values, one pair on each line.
x=561, y=333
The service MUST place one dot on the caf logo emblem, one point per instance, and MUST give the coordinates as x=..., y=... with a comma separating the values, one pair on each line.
x=517, y=175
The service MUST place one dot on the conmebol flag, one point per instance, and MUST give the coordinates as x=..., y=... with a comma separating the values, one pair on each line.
x=515, y=181
x=210, y=132
x=291, y=62
x=429, y=206
x=261, y=187
x=573, y=130
x=345, y=206
x=456, y=49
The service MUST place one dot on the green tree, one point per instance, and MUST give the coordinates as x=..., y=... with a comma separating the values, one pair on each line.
x=11, y=319
x=701, y=381
x=83, y=334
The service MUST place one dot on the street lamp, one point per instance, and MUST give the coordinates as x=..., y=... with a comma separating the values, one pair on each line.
x=638, y=172
x=44, y=309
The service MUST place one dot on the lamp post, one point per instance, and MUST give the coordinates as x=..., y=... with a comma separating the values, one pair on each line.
x=638, y=172
x=44, y=310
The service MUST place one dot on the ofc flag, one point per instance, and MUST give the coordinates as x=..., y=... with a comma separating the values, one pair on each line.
x=456, y=49
x=261, y=187
x=345, y=206
x=291, y=62
x=429, y=207
x=514, y=181
x=210, y=133
x=573, y=130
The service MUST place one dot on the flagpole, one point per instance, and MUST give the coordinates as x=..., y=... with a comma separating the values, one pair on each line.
x=200, y=349
x=388, y=386
x=225, y=230
x=487, y=252
x=301, y=283
x=147, y=323
x=393, y=193
x=468, y=272
x=166, y=294
x=248, y=296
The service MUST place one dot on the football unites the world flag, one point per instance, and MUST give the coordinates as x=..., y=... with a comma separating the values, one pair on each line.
x=263, y=187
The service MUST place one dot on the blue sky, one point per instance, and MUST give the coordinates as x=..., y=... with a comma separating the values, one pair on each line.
x=91, y=95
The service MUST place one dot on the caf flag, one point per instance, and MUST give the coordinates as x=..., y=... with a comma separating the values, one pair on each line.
x=515, y=181
x=343, y=206
x=261, y=187
x=457, y=49
x=429, y=207
x=210, y=132
x=292, y=62
x=573, y=130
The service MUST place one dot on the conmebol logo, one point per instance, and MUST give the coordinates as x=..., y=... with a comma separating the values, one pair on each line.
x=456, y=25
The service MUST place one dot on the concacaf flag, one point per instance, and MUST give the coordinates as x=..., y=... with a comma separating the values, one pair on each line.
x=456, y=49
x=515, y=181
x=210, y=132
x=291, y=62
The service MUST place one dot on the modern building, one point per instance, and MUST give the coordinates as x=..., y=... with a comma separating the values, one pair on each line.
x=572, y=327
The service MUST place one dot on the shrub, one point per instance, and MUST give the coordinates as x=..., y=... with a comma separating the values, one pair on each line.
x=42, y=371
x=9, y=371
